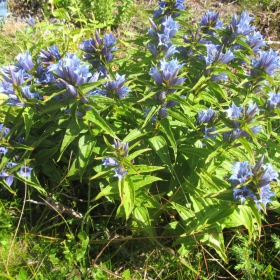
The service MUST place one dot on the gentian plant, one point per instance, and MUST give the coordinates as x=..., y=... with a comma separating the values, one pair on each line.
x=198, y=105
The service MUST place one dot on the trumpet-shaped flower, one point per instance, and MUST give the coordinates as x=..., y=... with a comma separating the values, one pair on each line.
x=24, y=61
x=214, y=54
x=241, y=172
x=243, y=194
x=30, y=20
x=267, y=61
x=256, y=41
x=166, y=8
x=210, y=21
x=120, y=172
x=97, y=47
x=256, y=182
x=273, y=101
x=25, y=171
x=49, y=56
x=206, y=116
x=116, y=87
x=167, y=73
x=109, y=162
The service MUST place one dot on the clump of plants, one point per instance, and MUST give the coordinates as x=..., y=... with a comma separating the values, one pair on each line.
x=178, y=137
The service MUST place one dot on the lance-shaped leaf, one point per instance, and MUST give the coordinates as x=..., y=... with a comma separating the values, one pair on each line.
x=95, y=118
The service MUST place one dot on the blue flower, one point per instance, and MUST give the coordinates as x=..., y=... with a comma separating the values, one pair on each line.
x=241, y=26
x=241, y=173
x=49, y=56
x=25, y=171
x=268, y=61
x=30, y=21
x=210, y=21
x=24, y=61
x=3, y=150
x=166, y=8
x=206, y=116
x=265, y=196
x=44, y=77
x=26, y=93
x=9, y=178
x=255, y=41
x=214, y=54
x=167, y=73
x=209, y=132
x=257, y=183
x=109, y=162
x=97, y=46
x=269, y=175
x=242, y=194
x=234, y=112
x=3, y=130
x=71, y=70
x=120, y=172
x=116, y=87
x=15, y=76
x=273, y=101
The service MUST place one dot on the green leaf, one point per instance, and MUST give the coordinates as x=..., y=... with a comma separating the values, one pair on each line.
x=199, y=83
x=245, y=215
x=61, y=13
x=214, y=238
x=141, y=215
x=28, y=120
x=86, y=145
x=5, y=185
x=33, y=182
x=151, y=113
x=128, y=196
x=43, y=156
x=72, y=131
x=93, y=116
x=200, y=152
x=134, y=134
x=138, y=169
x=140, y=181
x=246, y=145
x=165, y=126
x=159, y=145
x=111, y=189
x=137, y=153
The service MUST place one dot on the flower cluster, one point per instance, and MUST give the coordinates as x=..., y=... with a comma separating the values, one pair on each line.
x=267, y=62
x=166, y=77
x=273, y=101
x=16, y=81
x=121, y=151
x=166, y=8
x=253, y=182
x=205, y=117
x=161, y=37
x=237, y=115
x=71, y=72
x=24, y=171
x=5, y=173
x=209, y=22
x=98, y=50
x=112, y=88
x=214, y=54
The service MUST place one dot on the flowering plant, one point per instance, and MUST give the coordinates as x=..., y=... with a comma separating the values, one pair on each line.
x=188, y=110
